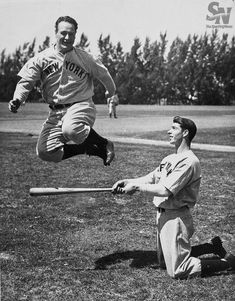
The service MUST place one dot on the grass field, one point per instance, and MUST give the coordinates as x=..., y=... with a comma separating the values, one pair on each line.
x=99, y=246
x=215, y=124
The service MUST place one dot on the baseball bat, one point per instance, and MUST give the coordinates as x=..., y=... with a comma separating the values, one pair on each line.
x=58, y=190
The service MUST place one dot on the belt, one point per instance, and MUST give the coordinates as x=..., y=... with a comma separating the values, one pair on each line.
x=160, y=210
x=61, y=106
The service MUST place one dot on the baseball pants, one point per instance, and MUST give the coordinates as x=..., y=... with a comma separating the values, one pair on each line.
x=62, y=126
x=174, y=230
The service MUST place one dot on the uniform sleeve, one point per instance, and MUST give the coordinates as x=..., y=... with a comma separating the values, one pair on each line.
x=22, y=90
x=100, y=72
x=30, y=74
x=179, y=177
x=31, y=71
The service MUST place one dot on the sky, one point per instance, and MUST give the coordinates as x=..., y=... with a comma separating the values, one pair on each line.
x=23, y=20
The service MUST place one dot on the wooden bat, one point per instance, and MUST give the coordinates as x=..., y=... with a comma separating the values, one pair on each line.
x=58, y=190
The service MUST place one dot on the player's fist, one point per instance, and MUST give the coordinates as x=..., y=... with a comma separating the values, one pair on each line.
x=129, y=188
x=14, y=105
x=117, y=187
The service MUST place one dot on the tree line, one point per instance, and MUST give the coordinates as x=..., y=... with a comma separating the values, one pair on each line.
x=199, y=70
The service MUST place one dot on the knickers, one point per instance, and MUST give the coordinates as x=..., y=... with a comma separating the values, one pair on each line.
x=174, y=230
x=71, y=124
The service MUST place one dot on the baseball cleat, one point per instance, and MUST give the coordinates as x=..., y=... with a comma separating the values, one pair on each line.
x=218, y=247
x=106, y=152
x=109, y=153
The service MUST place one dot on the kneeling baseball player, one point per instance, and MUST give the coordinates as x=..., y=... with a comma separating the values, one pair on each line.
x=175, y=187
x=66, y=74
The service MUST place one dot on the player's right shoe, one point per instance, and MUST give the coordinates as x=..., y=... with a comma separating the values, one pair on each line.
x=104, y=151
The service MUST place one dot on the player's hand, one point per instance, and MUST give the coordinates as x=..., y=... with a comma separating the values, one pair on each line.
x=124, y=186
x=118, y=186
x=14, y=105
x=129, y=188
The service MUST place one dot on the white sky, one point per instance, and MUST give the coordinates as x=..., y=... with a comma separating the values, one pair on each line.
x=22, y=20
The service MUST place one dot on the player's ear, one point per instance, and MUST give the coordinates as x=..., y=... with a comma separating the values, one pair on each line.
x=185, y=133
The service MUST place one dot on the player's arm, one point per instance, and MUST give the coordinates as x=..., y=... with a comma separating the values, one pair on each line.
x=131, y=187
x=21, y=93
x=106, y=79
x=136, y=182
x=100, y=72
x=153, y=189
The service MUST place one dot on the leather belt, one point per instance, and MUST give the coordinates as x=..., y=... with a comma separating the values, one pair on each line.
x=60, y=106
x=160, y=210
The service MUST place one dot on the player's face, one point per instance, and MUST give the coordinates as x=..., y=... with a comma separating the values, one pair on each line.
x=176, y=134
x=65, y=36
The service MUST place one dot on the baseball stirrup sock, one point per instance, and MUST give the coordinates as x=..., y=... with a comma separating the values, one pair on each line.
x=94, y=138
x=202, y=249
x=71, y=150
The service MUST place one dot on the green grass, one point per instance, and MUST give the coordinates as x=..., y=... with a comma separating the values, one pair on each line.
x=99, y=246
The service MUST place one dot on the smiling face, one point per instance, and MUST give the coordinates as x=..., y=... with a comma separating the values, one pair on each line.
x=65, y=36
x=176, y=134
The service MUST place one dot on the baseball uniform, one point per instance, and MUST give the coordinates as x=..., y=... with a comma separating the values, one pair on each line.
x=67, y=86
x=181, y=175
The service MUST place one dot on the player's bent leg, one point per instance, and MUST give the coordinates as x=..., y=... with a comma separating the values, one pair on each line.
x=77, y=126
x=51, y=156
x=176, y=229
x=214, y=247
x=71, y=150
x=210, y=267
x=100, y=146
x=87, y=141
x=51, y=141
x=160, y=256
x=50, y=145
x=76, y=132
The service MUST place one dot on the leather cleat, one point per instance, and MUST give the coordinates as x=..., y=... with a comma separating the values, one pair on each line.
x=109, y=153
x=106, y=152
x=218, y=247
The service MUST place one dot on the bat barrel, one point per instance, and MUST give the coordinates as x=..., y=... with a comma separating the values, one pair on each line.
x=57, y=191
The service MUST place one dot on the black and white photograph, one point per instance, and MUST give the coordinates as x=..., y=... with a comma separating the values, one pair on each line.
x=117, y=135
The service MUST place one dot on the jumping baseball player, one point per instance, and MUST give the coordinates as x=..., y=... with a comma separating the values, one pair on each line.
x=66, y=74
x=175, y=187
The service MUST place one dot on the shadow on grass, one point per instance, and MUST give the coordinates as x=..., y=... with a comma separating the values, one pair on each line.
x=142, y=259
x=139, y=259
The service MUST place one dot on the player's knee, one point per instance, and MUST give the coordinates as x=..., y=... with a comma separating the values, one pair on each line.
x=68, y=132
x=52, y=156
x=176, y=274
x=185, y=271
x=76, y=133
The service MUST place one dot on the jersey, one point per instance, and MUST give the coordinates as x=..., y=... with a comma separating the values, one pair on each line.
x=64, y=78
x=181, y=175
